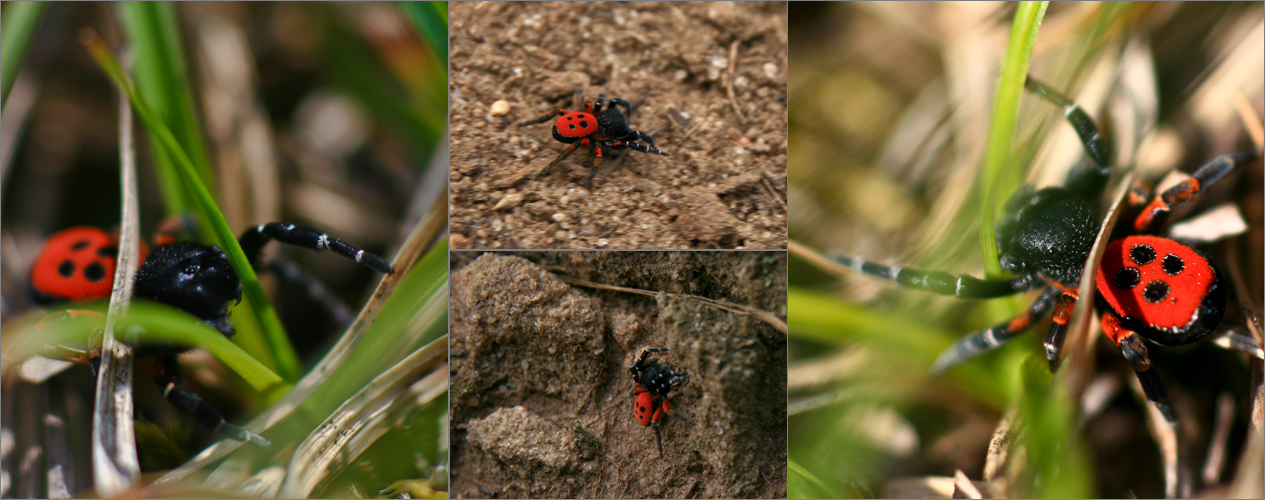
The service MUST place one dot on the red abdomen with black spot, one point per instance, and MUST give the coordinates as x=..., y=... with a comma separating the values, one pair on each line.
x=574, y=126
x=76, y=264
x=645, y=406
x=1164, y=290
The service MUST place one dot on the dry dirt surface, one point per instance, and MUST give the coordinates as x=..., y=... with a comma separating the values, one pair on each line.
x=724, y=185
x=541, y=385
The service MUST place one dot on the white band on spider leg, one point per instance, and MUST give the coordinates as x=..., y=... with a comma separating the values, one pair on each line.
x=359, y=255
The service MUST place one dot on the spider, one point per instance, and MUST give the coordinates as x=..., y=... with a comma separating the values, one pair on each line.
x=77, y=264
x=597, y=128
x=654, y=381
x=1148, y=287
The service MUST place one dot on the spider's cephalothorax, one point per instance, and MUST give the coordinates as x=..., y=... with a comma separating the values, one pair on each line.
x=1148, y=286
x=77, y=264
x=597, y=128
x=654, y=381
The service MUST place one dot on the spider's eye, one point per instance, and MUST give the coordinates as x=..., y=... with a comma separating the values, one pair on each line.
x=191, y=269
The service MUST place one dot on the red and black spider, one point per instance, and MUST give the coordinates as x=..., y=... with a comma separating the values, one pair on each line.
x=654, y=380
x=1149, y=287
x=77, y=264
x=600, y=129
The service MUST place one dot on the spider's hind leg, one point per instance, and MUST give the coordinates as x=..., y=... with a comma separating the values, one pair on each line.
x=938, y=282
x=1131, y=346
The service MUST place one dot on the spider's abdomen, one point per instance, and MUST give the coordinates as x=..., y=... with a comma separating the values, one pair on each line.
x=1162, y=289
x=75, y=264
x=574, y=126
x=1051, y=234
x=644, y=406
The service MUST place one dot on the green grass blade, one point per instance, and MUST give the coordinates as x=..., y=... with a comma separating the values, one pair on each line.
x=997, y=158
x=162, y=76
x=431, y=20
x=804, y=484
x=281, y=352
x=411, y=101
x=145, y=322
x=414, y=315
x=20, y=21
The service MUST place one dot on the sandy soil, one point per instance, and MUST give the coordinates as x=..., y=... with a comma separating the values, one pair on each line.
x=541, y=404
x=724, y=185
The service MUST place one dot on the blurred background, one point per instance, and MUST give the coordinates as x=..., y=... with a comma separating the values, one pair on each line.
x=890, y=109
x=329, y=115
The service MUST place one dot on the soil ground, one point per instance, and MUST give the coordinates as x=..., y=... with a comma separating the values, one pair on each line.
x=541, y=388
x=724, y=185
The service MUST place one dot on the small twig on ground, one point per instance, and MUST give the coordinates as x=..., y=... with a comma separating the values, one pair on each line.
x=760, y=314
x=764, y=179
x=729, y=81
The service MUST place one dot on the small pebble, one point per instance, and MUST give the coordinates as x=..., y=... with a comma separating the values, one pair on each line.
x=499, y=108
x=509, y=202
x=559, y=217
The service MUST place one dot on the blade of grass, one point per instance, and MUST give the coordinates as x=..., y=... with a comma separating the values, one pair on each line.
x=362, y=418
x=997, y=157
x=145, y=322
x=803, y=484
x=431, y=20
x=20, y=21
x=356, y=68
x=162, y=76
x=281, y=353
x=115, y=462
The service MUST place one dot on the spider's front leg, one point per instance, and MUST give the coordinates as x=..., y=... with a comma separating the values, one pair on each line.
x=582, y=143
x=167, y=376
x=254, y=239
x=973, y=345
x=1063, y=309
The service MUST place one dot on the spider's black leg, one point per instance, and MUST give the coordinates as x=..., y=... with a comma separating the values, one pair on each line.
x=574, y=146
x=1058, y=327
x=254, y=239
x=645, y=137
x=1207, y=174
x=167, y=376
x=596, y=108
x=296, y=276
x=938, y=282
x=975, y=344
x=1084, y=179
x=1131, y=346
x=627, y=107
x=673, y=414
x=628, y=144
x=658, y=439
x=547, y=117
